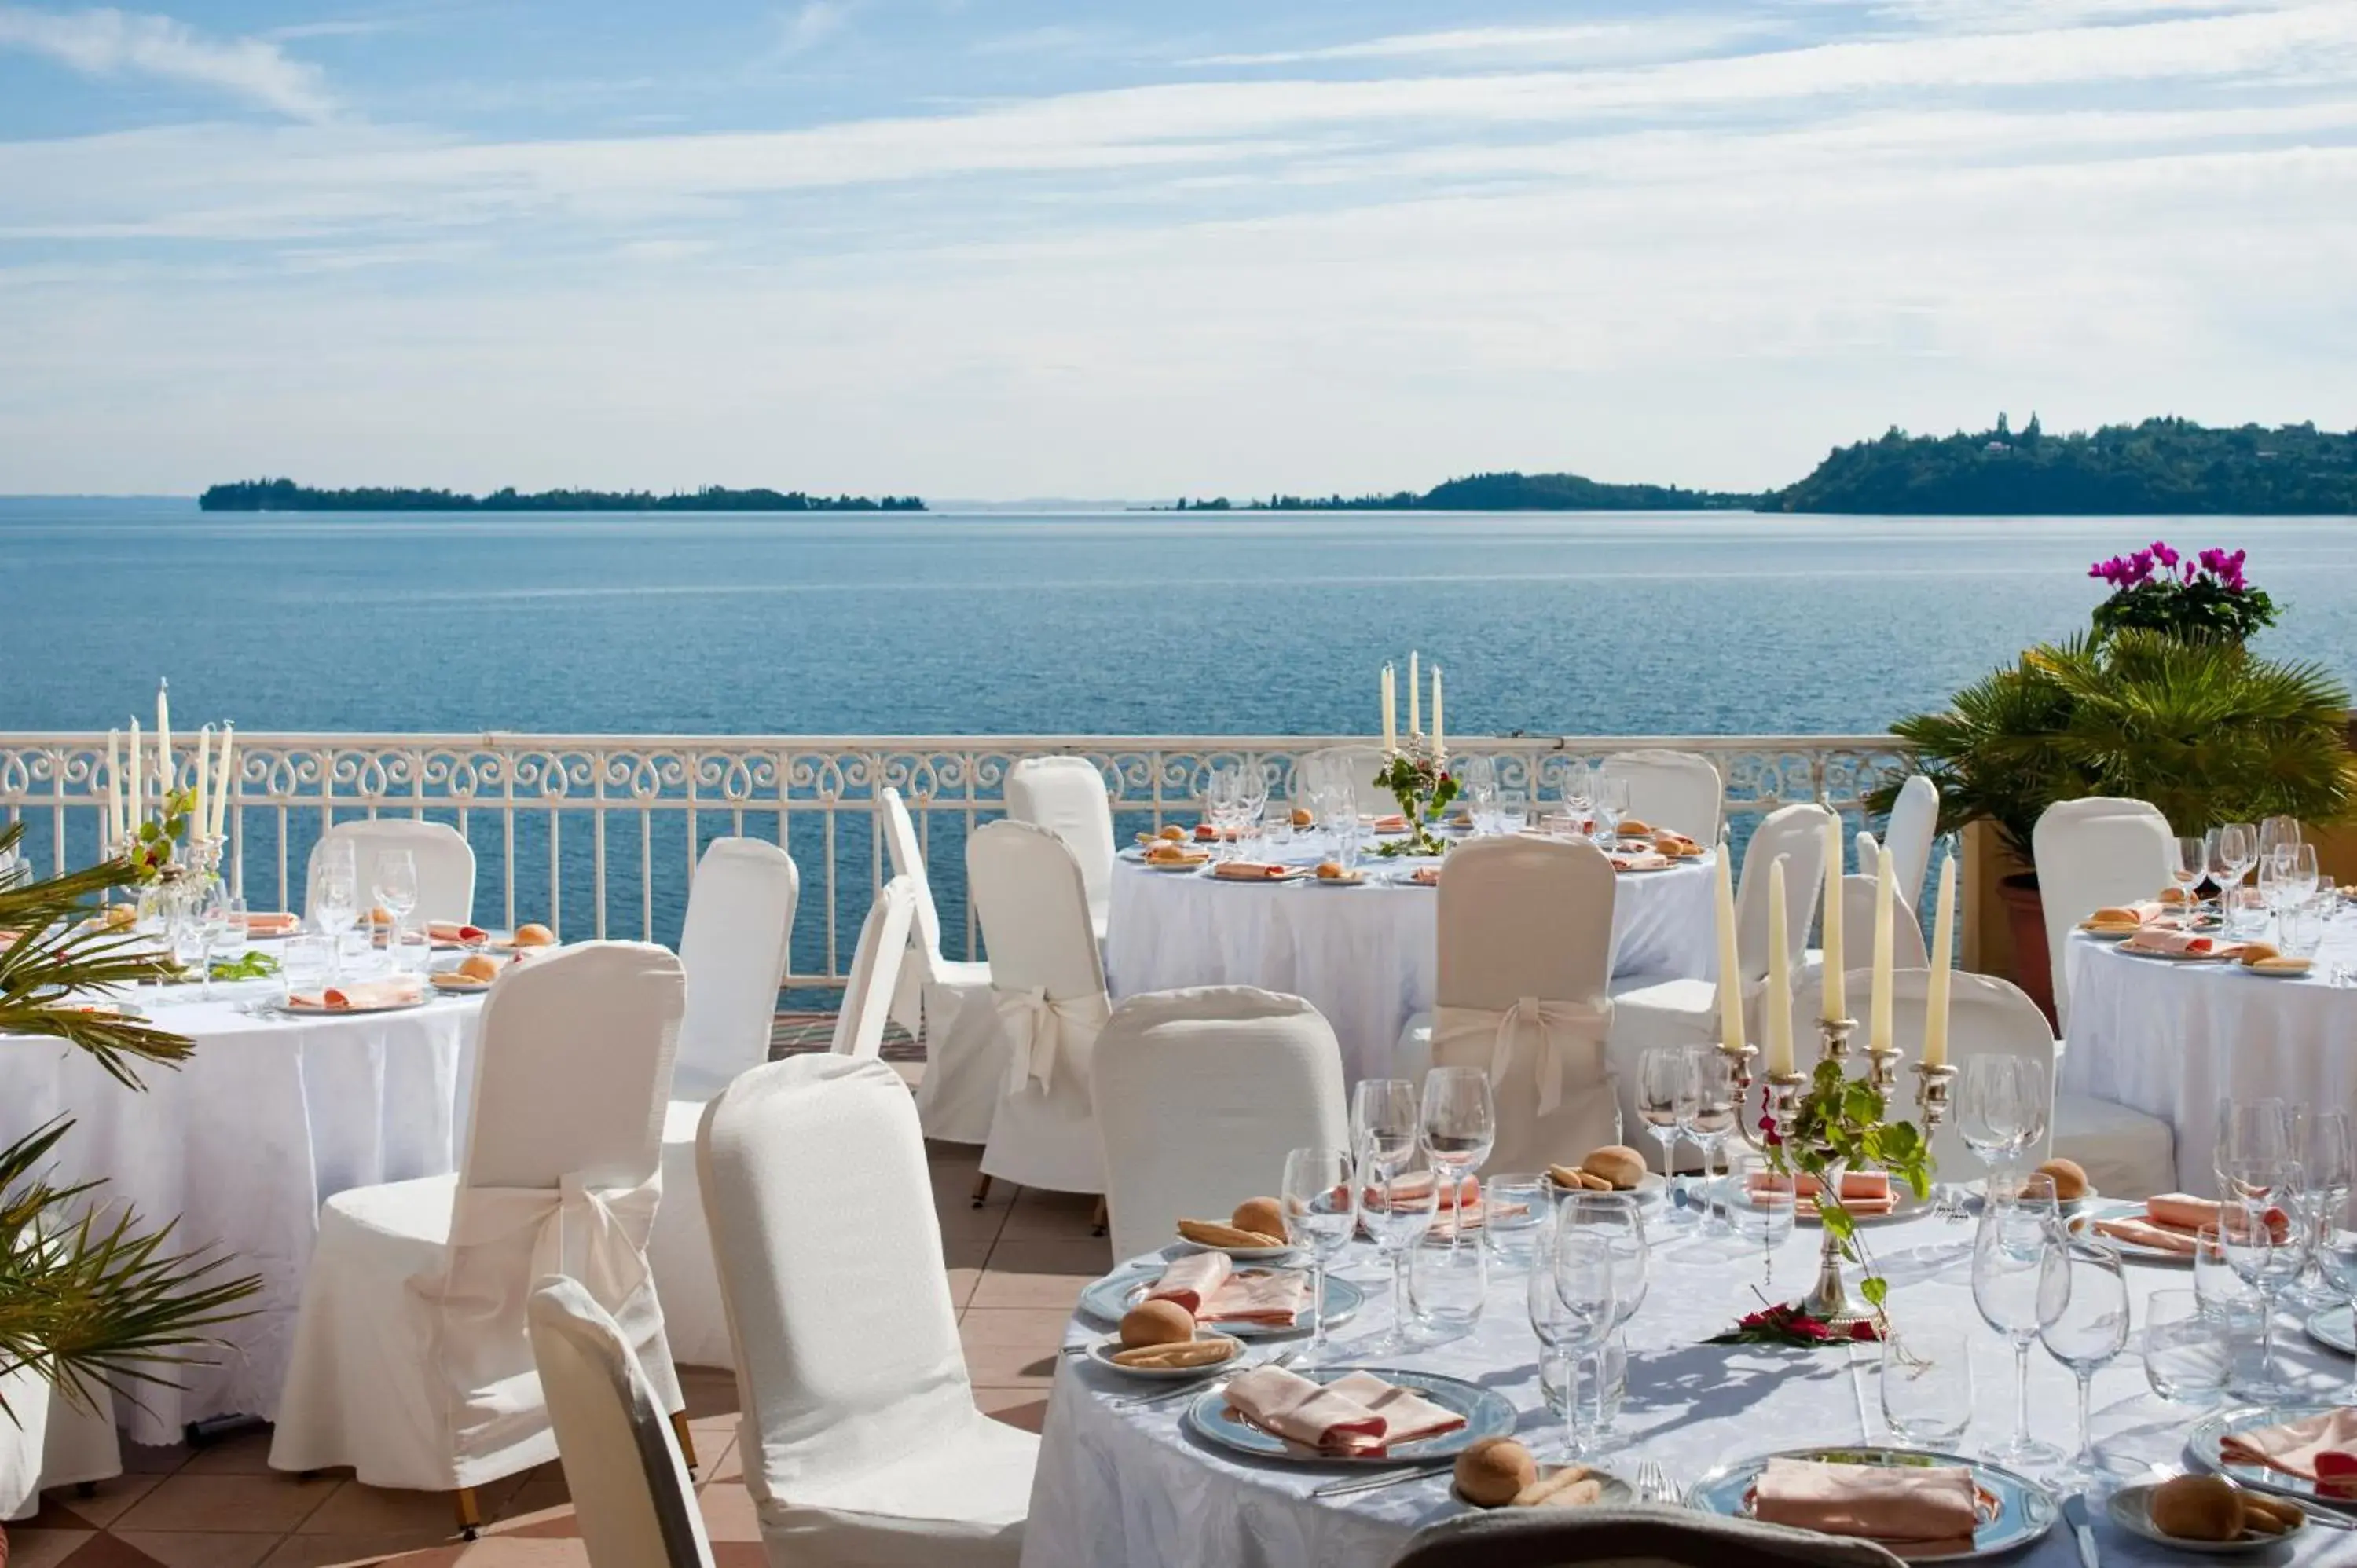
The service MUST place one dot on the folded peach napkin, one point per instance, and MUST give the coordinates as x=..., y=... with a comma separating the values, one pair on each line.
x=365, y=994
x=1645, y=859
x=1193, y=1280
x=453, y=931
x=2138, y=1230
x=1251, y=871
x=2182, y=1211
x=1471, y=1217
x=1210, y=834
x=1411, y=1190
x=1390, y=822
x=1271, y=1297
x=2299, y=1447
x=1862, y=1192
x=272, y=923
x=2165, y=940
x=2172, y=1222
x=1359, y=1415
x=1919, y=1506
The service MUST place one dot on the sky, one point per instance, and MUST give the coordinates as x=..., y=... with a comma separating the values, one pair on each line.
x=997, y=250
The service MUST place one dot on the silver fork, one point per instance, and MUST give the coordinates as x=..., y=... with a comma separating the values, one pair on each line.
x=1951, y=1206
x=1654, y=1484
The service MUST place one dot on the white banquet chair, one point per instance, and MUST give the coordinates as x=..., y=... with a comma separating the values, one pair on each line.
x=874, y=971
x=734, y=944
x=1679, y=790
x=446, y=865
x=946, y=1003
x=411, y=1360
x=2091, y=853
x=1648, y=1012
x=1048, y=986
x=1914, y=820
x=1907, y=949
x=1199, y=1096
x=1521, y=989
x=861, y=1439
x=632, y=1495
x=1066, y=795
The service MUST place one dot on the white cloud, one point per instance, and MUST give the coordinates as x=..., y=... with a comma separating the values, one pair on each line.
x=108, y=42
x=1594, y=42
x=813, y=24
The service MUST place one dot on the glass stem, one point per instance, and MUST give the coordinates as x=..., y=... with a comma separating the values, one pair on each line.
x=2267, y=1335
x=1399, y=1292
x=2086, y=1459
x=2021, y=1391
x=1571, y=1441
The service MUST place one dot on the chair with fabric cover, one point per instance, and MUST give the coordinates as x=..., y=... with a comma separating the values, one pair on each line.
x=945, y=1003
x=1047, y=985
x=1066, y=795
x=1907, y=945
x=1868, y=851
x=446, y=865
x=1679, y=790
x=1914, y=819
x=58, y=1444
x=1523, y=990
x=411, y=1361
x=1199, y=1096
x=632, y=1496
x=1629, y=1537
x=874, y=971
x=734, y=946
x=861, y=1440
x=1684, y=1012
x=2091, y=853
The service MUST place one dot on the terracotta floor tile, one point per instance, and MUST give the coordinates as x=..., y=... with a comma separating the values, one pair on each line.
x=240, y=1453
x=710, y=1391
x=1023, y=1407
x=66, y=1508
x=729, y=1512
x=200, y=1549
x=339, y=1549
x=31, y=1548
x=152, y=1461
x=1039, y=1274
x=1010, y=1365
x=355, y=1508
x=739, y=1554
x=727, y=1464
x=526, y=1551
x=106, y=1550
x=1051, y=1215
x=254, y=1503
x=1039, y=1328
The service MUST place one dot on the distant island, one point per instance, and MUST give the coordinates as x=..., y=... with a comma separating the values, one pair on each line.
x=285, y=495
x=2162, y=466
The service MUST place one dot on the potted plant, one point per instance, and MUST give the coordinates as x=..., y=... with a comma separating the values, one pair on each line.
x=2204, y=730
x=90, y=1294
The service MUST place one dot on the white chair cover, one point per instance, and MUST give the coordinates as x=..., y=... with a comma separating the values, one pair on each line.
x=860, y=1437
x=1679, y=790
x=874, y=971
x=1914, y=819
x=1522, y=991
x=1867, y=852
x=2091, y=853
x=446, y=865
x=1199, y=1096
x=1066, y=795
x=947, y=1003
x=1907, y=945
x=81, y=1444
x=411, y=1361
x=27, y=1398
x=631, y=1493
x=1047, y=985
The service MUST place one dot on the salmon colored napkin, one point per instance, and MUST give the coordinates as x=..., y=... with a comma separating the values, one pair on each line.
x=2139, y=1232
x=1251, y=871
x=2172, y=1222
x=1271, y=1298
x=2320, y=1448
x=453, y=931
x=1413, y=1188
x=1390, y=822
x=367, y=993
x=272, y=923
x=1193, y=1280
x=1862, y=1192
x=1471, y=1217
x=1360, y=1414
x=1645, y=859
x=2165, y=940
x=1916, y=1509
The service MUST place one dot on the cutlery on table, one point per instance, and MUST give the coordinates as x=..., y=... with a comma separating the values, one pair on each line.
x=2074, y=1509
x=1357, y=1484
x=1654, y=1486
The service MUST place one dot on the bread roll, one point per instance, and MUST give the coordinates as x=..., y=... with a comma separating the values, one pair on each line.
x=1493, y=1472
x=1635, y=828
x=2069, y=1178
x=1574, y=1486
x=2271, y=1516
x=1301, y=818
x=1620, y=1165
x=2255, y=953
x=532, y=934
x=1174, y=833
x=1211, y=1233
x=1156, y=1323
x=2115, y=915
x=1263, y=1216
x=2284, y=965
x=1180, y=1354
x=1329, y=870
x=379, y=915
x=477, y=966
x=2196, y=1508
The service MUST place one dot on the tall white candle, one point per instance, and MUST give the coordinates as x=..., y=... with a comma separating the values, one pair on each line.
x=1778, y=1002
x=220, y=793
x=1936, y=994
x=1414, y=698
x=1878, y=1027
x=1439, y=743
x=1390, y=712
x=199, y=820
x=138, y=781
x=164, y=742
x=113, y=788
x=1730, y=965
x=1836, y=983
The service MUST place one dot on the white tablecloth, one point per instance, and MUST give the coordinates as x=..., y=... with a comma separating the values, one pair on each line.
x=1131, y=1487
x=1362, y=956
x=2176, y=1039
x=266, y=1120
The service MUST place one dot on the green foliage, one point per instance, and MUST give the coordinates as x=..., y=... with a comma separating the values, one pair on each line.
x=2207, y=732
x=285, y=495
x=2159, y=466
x=47, y=954
x=1837, y=1125
x=1424, y=789
x=151, y=845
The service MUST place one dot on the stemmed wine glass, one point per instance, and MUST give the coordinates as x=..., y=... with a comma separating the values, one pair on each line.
x=2248, y=1131
x=1665, y=1100
x=2275, y=833
x=1252, y=797
x=1322, y=1213
x=1574, y=1300
x=2018, y=1227
x=2327, y=1151
x=223, y=914
x=2082, y=1319
x=393, y=884
x=1578, y=792
x=1616, y=1218
x=2265, y=1247
x=1383, y=1122
x=1397, y=1207
x=2191, y=865
x=2002, y=1103
x=1222, y=793
x=335, y=900
x=1711, y=1124
x=1459, y=1127
x=2233, y=852
x=2336, y=1259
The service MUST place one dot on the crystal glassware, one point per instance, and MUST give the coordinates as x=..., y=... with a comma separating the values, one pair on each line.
x=1513, y=1205
x=1384, y=1122
x=1927, y=1385
x=2002, y=1105
x=2216, y=1285
x=1321, y=1214
x=392, y=883
x=2233, y=852
x=335, y=899
x=1573, y=1304
x=2017, y=1230
x=2083, y=1321
x=1397, y=1209
x=2250, y=1129
x=2266, y=1246
x=2188, y=1350
x=1459, y=1126
x=1716, y=1098
x=1447, y=1286
x=1762, y=1202
x=2336, y=1259
x=2326, y=1147
x=1665, y=1095
x=223, y=917
x=2190, y=864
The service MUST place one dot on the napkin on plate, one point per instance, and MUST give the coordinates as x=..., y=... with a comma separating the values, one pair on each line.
x=272, y=923
x=2165, y=940
x=1643, y=860
x=1359, y=1415
x=2172, y=1222
x=1862, y=1192
x=1913, y=1507
x=364, y=994
x=1251, y=871
x=1270, y=1297
x=453, y=931
x=1413, y=1188
x=1193, y=1280
x=1390, y=822
x=2317, y=1448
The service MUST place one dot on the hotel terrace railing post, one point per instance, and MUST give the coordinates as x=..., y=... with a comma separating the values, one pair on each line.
x=661, y=797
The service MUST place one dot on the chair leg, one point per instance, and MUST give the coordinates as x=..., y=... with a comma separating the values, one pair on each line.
x=1097, y=1220
x=686, y=1438
x=982, y=1192
x=471, y=1512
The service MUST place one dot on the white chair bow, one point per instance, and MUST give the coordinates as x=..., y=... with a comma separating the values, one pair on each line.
x=1566, y=1038
x=1043, y=1026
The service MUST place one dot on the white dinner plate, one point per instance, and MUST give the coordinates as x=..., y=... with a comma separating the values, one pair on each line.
x=1182, y=1246
x=1977, y=1190
x=1650, y=1188
x=290, y=1006
x=2082, y=1227
x=1618, y=1493
x=1103, y=1352
x=1187, y=865
x=2203, y=1444
x=2336, y=1328
x=2014, y=1510
x=2131, y=1510
x=1357, y=879
x=2178, y=957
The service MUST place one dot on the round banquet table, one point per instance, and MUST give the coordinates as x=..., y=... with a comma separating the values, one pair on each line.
x=269, y=1117
x=1134, y=1486
x=2176, y=1039
x=1363, y=956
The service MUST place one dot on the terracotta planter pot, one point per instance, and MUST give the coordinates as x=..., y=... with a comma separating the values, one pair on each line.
x=2025, y=914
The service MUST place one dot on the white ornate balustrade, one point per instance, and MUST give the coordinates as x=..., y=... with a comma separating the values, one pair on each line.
x=597, y=834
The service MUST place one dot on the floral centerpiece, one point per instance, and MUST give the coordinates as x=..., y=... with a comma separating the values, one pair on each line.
x=2206, y=599
x=1416, y=773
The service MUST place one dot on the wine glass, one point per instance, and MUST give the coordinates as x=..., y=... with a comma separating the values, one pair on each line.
x=2276, y=832
x=223, y=917
x=1569, y=1296
x=1321, y=1212
x=2296, y=873
x=2250, y=1129
x=2002, y=1104
x=2336, y=1259
x=1715, y=1102
x=2237, y=850
x=335, y=900
x=1397, y=1208
x=1459, y=1127
x=1616, y=1218
x=1665, y=1094
x=2191, y=865
x=2323, y=1143
x=2017, y=1228
x=1611, y=798
x=393, y=884
x=1252, y=796
x=1221, y=792
x=1384, y=1122
x=2082, y=1320
x=2265, y=1247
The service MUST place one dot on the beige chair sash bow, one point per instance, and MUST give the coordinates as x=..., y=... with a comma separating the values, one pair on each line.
x=1565, y=1040
x=1044, y=1027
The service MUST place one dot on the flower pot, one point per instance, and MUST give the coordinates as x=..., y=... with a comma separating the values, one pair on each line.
x=2025, y=914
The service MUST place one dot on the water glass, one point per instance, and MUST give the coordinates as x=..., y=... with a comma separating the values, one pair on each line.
x=2018, y=1231
x=2188, y=1350
x=1599, y=1381
x=305, y=963
x=1277, y=826
x=2082, y=1312
x=2299, y=929
x=223, y=917
x=2336, y=1259
x=1397, y=1209
x=1514, y=811
x=2326, y=1147
x=1511, y=1236
x=1614, y=1222
x=1762, y=1202
x=2216, y=1285
x=1447, y=1285
x=1927, y=1385
x=1569, y=1296
x=1322, y=1213
x=1458, y=1125
x=2245, y=910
